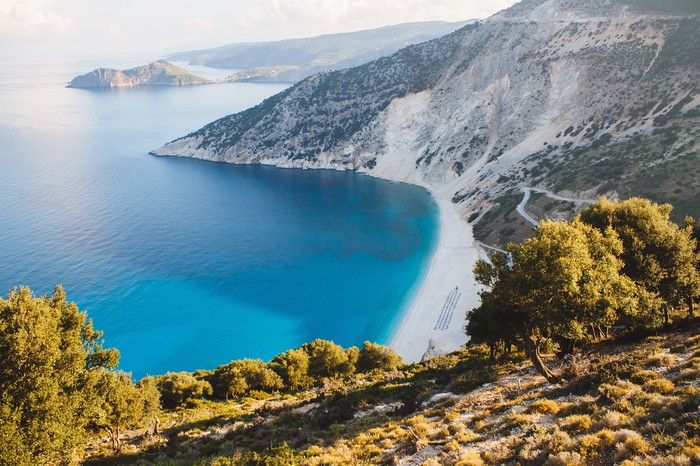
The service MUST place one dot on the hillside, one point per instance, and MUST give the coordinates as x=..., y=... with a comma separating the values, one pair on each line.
x=579, y=97
x=160, y=73
x=295, y=59
x=623, y=403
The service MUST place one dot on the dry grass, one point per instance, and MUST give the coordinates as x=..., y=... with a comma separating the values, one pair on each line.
x=544, y=406
x=662, y=386
x=610, y=413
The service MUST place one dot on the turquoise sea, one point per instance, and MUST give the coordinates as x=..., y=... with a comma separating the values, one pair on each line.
x=187, y=264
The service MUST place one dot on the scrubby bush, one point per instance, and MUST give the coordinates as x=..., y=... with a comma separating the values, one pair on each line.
x=615, y=392
x=644, y=376
x=612, y=419
x=466, y=436
x=576, y=423
x=565, y=458
x=662, y=386
x=662, y=360
x=178, y=388
x=293, y=367
x=544, y=406
x=592, y=445
x=374, y=357
x=469, y=457
x=451, y=446
x=326, y=359
x=239, y=377
x=629, y=443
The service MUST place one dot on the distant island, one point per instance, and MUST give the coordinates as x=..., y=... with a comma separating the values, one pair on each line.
x=287, y=61
x=159, y=73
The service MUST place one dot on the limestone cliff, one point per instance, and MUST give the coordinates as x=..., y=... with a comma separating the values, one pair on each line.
x=595, y=96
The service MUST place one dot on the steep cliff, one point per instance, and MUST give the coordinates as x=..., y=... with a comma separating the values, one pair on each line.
x=581, y=96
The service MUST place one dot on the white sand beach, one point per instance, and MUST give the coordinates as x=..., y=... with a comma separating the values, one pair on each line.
x=448, y=291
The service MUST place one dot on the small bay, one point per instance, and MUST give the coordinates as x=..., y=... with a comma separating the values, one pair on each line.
x=187, y=264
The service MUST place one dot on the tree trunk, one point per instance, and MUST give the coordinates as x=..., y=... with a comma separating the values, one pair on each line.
x=114, y=436
x=533, y=351
x=690, y=307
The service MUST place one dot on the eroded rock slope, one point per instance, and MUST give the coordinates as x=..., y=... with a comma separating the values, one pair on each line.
x=580, y=96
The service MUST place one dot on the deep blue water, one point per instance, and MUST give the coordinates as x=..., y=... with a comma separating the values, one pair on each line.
x=188, y=264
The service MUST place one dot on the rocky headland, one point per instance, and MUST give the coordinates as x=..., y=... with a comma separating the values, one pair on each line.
x=159, y=73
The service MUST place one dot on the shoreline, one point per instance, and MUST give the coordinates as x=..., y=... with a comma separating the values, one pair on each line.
x=448, y=291
x=451, y=267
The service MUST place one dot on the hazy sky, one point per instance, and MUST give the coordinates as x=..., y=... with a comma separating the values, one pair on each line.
x=73, y=27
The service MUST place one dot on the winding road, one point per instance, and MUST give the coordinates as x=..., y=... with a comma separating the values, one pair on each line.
x=526, y=197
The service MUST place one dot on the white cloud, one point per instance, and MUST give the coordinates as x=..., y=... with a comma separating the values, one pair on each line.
x=387, y=11
x=125, y=26
x=315, y=10
x=114, y=30
x=24, y=18
x=199, y=23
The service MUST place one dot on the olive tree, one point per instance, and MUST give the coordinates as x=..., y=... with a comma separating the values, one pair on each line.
x=178, y=388
x=238, y=377
x=122, y=406
x=657, y=254
x=293, y=367
x=326, y=359
x=51, y=362
x=374, y=357
x=561, y=286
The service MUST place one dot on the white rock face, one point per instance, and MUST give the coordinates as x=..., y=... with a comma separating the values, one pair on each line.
x=481, y=111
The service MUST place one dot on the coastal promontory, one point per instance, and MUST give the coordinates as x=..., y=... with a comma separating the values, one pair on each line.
x=159, y=73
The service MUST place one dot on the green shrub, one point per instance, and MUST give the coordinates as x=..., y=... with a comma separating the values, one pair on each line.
x=374, y=357
x=177, y=388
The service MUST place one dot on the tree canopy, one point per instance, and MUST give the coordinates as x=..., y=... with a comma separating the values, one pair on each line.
x=657, y=254
x=176, y=388
x=374, y=357
x=293, y=367
x=51, y=363
x=616, y=268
